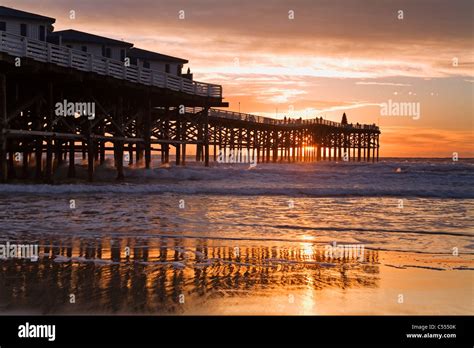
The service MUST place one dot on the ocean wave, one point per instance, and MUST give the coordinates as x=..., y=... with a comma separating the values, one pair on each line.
x=359, y=229
x=280, y=190
x=324, y=179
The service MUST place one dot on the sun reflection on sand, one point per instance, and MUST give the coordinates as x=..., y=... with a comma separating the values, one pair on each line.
x=152, y=276
x=307, y=249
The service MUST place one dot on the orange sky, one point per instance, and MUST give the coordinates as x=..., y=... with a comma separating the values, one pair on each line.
x=333, y=57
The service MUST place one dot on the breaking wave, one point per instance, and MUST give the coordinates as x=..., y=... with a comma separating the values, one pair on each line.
x=389, y=178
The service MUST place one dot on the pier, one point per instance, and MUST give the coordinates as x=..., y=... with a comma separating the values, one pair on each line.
x=138, y=112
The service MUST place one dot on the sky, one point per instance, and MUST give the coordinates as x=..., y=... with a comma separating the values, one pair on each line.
x=312, y=58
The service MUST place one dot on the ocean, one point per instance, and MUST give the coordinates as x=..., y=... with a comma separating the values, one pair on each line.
x=231, y=239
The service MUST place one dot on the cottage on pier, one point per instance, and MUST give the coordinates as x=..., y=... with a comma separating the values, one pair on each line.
x=26, y=24
x=94, y=44
x=156, y=61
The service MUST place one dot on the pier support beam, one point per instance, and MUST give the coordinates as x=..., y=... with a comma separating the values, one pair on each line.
x=102, y=144
x=118, y=148
x=368, y=146
x=26, y=155
x=378, y=146
x=38, y=144
x=49, y=146
x=206, y=136
x=130, y=153
x=84, y=150
x=346, y=153
x=339, y=147
x=183, y=139
x=72, y=170
x=275, y=146
x=373, y=147
x=199, y=143
x=90, y=157
x=214, y=150
x=147, y=132
x=11, y=160
x=3, y=128
x=118, y=145
x=359, y=146
x=178, y=137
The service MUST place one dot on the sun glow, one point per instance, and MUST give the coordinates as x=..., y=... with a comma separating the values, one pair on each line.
x=307, y=250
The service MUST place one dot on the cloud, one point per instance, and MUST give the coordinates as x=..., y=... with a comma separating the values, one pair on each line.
x=383, y=84
x=318, y=111
x=334, y=56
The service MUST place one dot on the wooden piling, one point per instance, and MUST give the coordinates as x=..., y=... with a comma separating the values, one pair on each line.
x=183, y=145
x=118, y=144
x=25, y=173
x=3, y=129
x=147, y=132
x=178, y=137
x=90, y=158
x=130, y=153
x=378, y=146
x=206, y=136
x=38, y=157
x=71, y=170
x=49, y=147
x=359, y=146
x=84, y=150
x=11, y=162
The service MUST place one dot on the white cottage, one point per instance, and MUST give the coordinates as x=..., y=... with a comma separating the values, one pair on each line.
x=94, y=44
x=156, y=61
x=39, y=27
x=26, y=24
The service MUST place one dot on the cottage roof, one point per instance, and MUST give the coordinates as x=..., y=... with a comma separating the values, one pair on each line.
x=149, y=55
x=11, y=12
x=71, y=35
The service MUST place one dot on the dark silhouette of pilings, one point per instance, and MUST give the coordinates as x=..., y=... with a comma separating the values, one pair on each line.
x=133, y=121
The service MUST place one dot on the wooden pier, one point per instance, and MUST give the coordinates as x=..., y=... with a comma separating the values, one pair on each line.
x=139, y=111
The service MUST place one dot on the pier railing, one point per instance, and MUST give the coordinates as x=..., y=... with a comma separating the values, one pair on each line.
x=288, y=122
x=20, y=46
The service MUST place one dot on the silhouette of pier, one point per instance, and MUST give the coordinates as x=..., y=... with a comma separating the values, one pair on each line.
x=137, y=112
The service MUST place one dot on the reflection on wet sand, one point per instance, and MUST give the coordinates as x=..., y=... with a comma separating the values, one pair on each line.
x=169, y=276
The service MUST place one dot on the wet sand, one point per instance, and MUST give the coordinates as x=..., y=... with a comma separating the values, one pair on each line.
x=212, y=277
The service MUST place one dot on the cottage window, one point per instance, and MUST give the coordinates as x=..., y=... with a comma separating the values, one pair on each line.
x=167, y=68
x=106, y=51
x=23, y=29
x=84, y=48
x=3, y=26
x=146, y=64
x=42, y=33
x=122, y=55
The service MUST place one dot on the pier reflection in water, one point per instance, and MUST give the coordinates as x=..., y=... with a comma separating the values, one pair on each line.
x=170, y=276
